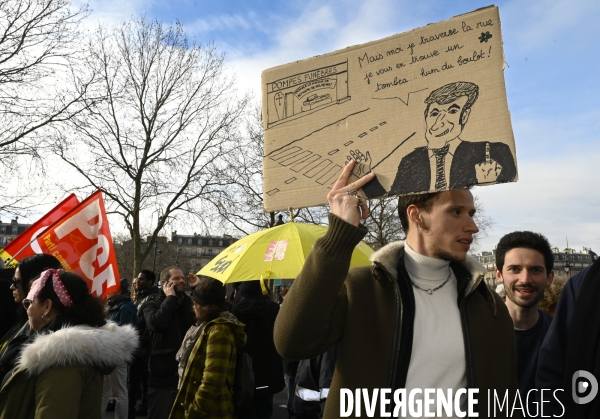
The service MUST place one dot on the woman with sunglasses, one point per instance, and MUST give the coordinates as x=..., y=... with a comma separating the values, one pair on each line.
x=60, y=371
x=28, y=270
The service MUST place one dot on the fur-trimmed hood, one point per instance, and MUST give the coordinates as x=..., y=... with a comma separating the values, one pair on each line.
x=102, y=347
x=388, y=255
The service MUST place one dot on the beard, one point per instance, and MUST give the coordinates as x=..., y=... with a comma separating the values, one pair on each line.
x=510, y=294
x=447, y=256
x=440, y=253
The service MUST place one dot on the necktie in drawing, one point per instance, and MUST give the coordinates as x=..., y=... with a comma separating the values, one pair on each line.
x=440, y=173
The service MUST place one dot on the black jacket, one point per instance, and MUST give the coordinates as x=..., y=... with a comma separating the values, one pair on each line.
x=258, y=314
x=552, y=358
x=167, y=320
x=312, y=383
x=143, y=297
x=12, y=344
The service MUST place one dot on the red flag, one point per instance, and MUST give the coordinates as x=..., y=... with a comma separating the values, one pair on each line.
x=82, y=242
x=23, y=245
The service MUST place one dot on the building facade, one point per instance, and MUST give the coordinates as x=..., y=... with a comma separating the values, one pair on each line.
x=10, y=230
x=195, y=251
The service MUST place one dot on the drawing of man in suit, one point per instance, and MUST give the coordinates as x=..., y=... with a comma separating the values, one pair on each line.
x=447, y=162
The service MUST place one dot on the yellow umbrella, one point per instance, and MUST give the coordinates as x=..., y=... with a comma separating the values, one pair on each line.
x=277, y=252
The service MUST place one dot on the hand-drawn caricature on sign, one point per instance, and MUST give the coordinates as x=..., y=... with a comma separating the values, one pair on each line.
x=425, y=110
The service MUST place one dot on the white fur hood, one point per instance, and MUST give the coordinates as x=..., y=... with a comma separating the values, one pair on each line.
x=387, y=256
x=102, y=347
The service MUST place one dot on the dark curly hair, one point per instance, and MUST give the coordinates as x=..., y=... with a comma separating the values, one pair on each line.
x=31, y=267
x=86, y=309
x=527, y=240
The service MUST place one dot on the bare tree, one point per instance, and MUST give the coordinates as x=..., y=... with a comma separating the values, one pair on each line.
x=484, y=223
x=383, y=223
x=37, y=41
x=240, y=206
x=155, y=144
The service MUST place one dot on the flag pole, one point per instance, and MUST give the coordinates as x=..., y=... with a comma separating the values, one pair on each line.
x=7, y=262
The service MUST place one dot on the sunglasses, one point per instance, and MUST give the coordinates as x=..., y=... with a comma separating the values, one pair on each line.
x=15, y=282
x=27, y=303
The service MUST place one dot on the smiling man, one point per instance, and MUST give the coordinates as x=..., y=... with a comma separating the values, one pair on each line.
x=524, y=264
x=448, y=162
x=420, y=317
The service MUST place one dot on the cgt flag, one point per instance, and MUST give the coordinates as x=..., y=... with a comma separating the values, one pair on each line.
x=24, y=244
x=82, y=242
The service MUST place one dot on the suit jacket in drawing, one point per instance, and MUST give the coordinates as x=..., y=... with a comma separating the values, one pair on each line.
x=414, y=171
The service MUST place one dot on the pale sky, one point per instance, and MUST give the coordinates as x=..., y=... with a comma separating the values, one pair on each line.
x=552, y=84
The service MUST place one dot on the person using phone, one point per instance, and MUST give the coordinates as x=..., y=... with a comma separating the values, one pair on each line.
x=167, y=319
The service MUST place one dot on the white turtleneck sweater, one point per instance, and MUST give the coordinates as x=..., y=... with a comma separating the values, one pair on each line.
x=438, y=351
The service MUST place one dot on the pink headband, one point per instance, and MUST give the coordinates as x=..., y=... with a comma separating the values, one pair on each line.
x=59, y=287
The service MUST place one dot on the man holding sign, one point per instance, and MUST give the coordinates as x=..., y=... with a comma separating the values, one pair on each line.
x=448, y=162
x=420, y=318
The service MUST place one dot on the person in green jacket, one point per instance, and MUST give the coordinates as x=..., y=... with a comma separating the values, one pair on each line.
x=60, y=371
x=204, y=390
x=420, y=317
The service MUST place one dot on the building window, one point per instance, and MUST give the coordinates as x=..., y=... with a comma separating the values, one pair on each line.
x=199, y=250
x=189, y=241
x=221, y=243
x=189, y=251
x=210, y=242
x=15, y=229
x=180, y=240
x=3, y=229
x=209, y=251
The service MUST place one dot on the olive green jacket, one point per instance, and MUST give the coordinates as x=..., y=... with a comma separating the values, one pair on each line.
x=210, y=370
x=60, y=374
x=365, y=309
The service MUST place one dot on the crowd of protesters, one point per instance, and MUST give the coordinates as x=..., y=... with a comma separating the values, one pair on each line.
x=167, y=347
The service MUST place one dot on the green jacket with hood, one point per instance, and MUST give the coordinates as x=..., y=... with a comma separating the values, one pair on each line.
x=59, y=375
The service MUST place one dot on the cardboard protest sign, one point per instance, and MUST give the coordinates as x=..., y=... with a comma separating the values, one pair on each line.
x=425, y=110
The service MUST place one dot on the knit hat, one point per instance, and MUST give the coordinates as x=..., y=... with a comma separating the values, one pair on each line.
x=251, y=289
x=209, y=291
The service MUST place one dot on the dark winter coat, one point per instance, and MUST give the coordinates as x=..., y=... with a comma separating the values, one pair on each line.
x=12, y=343
x=122, y=311
x=313, y=381
x=367, y=310
x=552, y=360
x=167, y=320
x=143, y=297
x=8, y=307
x=259, y=314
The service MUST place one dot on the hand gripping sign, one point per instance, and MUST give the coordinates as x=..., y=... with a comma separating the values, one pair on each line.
x=82, y=242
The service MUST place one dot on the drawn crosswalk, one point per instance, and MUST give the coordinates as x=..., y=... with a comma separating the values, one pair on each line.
x=314, y=166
